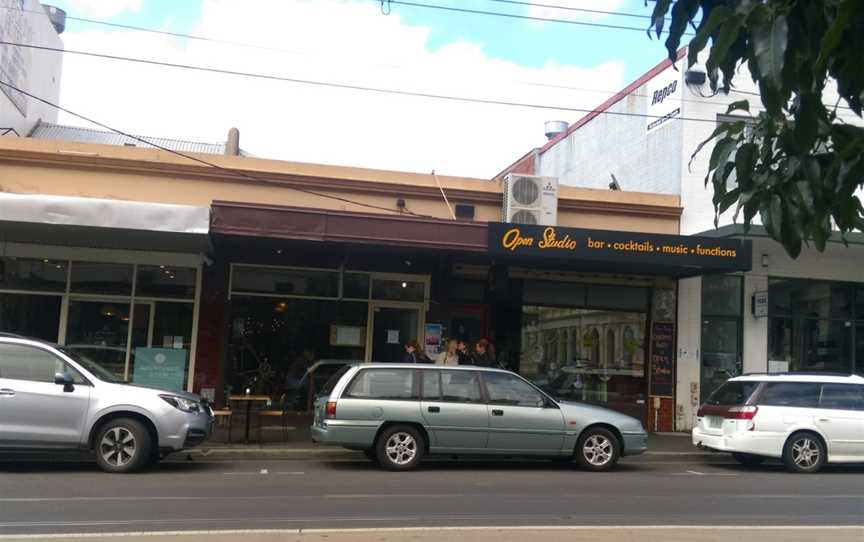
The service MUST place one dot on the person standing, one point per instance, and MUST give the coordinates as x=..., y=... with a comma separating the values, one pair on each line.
x=484, y=354
x=463, y=353
x=450, y=356
x=414, y=354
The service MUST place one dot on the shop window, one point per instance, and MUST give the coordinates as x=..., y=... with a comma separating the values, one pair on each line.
x=288, y=282
x=355, y=286
x=41, y=275
x=165, y=281
x=398, y=290
x=810, y=299
x=30, y=315
x=617, y=298
x=99, y=330
x=101, y=278
x=466, y=291
x=721, y=295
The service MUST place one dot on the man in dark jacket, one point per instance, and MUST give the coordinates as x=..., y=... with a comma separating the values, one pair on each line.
x=484, y=354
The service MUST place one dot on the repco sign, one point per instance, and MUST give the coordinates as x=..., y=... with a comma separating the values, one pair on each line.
x=663, y=93
x=664, y=99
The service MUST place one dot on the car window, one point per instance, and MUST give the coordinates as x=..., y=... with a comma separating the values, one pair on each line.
x=506, y=389
x=327, y=389
x=382, y=384
x=460, y=386
x=431, y=385
x=21, y=362
x=732, y=393
x=842, y=397
x=790, y=394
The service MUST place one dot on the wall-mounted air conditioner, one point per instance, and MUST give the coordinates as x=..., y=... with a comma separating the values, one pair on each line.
x=530, y=200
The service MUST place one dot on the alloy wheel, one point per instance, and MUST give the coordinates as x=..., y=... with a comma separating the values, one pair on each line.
x=805, y=453
x=597, y=450
x=401, y=448
x=118, y=447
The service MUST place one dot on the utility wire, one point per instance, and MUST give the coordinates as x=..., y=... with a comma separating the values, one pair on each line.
x=228, y=171
x=347, y=86
x=571, y=8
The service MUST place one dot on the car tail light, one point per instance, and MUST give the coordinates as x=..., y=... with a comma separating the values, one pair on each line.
x=330, y=412
x=701, y=412
x=741, y=413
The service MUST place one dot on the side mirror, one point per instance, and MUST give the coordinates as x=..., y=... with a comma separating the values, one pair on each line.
x=66, y=380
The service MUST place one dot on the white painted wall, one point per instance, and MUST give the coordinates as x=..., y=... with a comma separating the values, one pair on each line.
x=43, y=68
x=689, y=352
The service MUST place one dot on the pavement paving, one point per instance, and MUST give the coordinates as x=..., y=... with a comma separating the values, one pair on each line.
x=43, y=497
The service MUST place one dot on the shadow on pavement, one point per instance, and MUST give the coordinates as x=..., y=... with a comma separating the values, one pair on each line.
x=443, y=464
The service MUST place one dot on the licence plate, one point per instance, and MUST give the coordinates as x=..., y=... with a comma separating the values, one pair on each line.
x=715, y=422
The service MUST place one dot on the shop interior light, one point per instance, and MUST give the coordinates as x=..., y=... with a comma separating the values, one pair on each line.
x=404, y=284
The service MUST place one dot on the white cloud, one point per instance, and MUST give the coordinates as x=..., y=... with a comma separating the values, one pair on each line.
x=329, y=40
x=589, y=7
x=103, y=9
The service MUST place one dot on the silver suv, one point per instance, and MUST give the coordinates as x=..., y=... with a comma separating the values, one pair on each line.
x=52, y=398
x=397, y=414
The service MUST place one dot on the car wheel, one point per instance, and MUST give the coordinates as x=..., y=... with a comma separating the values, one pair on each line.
x=749, y=460
x=804, y=453
x=598, y=450
x=400, y=447
x=123, y=445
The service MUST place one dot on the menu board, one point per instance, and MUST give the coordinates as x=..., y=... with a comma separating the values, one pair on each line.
x=662, y=359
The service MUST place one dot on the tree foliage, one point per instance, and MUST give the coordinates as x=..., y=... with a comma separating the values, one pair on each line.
x=797, y=163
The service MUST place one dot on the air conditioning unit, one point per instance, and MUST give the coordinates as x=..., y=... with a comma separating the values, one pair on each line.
x=530, y=200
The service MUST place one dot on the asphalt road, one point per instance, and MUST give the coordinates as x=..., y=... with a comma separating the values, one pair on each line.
x=322, y=492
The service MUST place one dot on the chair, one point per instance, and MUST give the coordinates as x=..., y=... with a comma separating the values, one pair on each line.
x=281, y=414
x=224, y=416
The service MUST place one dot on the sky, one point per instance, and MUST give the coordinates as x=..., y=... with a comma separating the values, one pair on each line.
x=353, y=42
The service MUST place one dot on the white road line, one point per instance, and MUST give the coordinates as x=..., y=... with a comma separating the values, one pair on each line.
x=618, y=528
x=291, y=473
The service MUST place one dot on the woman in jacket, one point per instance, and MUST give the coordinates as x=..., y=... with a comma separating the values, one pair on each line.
x=414, y=354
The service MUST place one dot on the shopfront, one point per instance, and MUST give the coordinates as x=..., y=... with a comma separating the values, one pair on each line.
x=587, y=323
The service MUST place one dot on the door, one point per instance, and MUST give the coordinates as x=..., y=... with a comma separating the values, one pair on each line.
x=841, y=419
x=721, y=353
x=454, y=411
x=520, y=419
x=392, y=327
x=100, y=330
x=34, y=411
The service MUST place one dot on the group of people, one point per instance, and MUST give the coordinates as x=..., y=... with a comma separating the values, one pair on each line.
x=457, y=352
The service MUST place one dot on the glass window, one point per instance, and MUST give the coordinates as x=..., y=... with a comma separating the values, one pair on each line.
x=33, y=274
x=720, y=352
x=617, y=297
x=101, y=278
x=30, y=315
x=18, y=362
x=810, y=299
x=355, y=286
x=328, y=386
x=299, y=282
x=842, y=397
x=99, y=330
x=470, y=291
x=398, y=290
x=733, y=393
x=382, y=384
x=460, y=387
x=165, y=281
x=721, y=295
x=791, y=394
x=506, y=389
x=431, y=385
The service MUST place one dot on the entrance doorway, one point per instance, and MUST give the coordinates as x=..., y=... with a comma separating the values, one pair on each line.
x=392, y=326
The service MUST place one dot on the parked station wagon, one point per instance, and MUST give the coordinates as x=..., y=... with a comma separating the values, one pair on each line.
x=397, y=414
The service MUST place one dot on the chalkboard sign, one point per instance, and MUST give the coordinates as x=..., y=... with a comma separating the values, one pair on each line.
x=662, y=359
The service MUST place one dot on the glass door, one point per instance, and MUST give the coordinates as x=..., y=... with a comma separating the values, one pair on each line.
x=721, y=353
x=99, y=329
x=392, y=326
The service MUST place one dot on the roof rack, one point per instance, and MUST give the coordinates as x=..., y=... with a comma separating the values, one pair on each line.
x=801, y=373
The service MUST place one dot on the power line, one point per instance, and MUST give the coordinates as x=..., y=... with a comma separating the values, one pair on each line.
x=571, y=8
x=346, y=86
x=223, y=169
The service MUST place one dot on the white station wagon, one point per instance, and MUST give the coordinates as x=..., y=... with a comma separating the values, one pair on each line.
x=806, y=420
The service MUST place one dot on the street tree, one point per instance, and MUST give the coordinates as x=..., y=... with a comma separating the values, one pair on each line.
x=797, y=164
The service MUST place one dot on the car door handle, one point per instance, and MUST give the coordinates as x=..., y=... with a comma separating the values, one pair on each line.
x=824, y=420
x=7, y=392
x=497, y=412
x=434, y=409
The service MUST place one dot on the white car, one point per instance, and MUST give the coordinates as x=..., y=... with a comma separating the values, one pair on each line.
x=806, y=420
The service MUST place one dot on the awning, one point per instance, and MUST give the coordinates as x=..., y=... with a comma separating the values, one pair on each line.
x=346, y=227
x=103, y=223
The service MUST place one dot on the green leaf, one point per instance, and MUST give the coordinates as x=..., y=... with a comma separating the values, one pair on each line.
x=717, y=16
x=745, y=160
x=806, y=195
x=740, y=105
x=769, y=44
x=727, y=36
x=658, y=17
x=832, y=37
x=772, y=216
x=682, y=13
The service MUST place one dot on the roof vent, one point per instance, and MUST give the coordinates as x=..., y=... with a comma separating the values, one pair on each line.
x=554, y=128
x=57, y=17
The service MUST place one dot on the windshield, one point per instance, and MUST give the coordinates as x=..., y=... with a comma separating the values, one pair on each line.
x=91, y=366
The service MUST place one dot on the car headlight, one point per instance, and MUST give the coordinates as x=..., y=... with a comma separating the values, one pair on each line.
x=181, y=403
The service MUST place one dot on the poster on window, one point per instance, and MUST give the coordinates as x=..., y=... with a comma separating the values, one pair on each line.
x=163, y=368
x=432, y=341
x=662, y=359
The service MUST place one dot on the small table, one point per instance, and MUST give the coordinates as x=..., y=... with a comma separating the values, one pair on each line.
x=248, y=399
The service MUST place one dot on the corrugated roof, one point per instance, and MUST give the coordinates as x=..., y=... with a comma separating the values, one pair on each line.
x=44, y=130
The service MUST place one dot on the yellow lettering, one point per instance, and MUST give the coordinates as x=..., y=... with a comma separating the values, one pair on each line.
x=513, y=239
x=550, y=240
